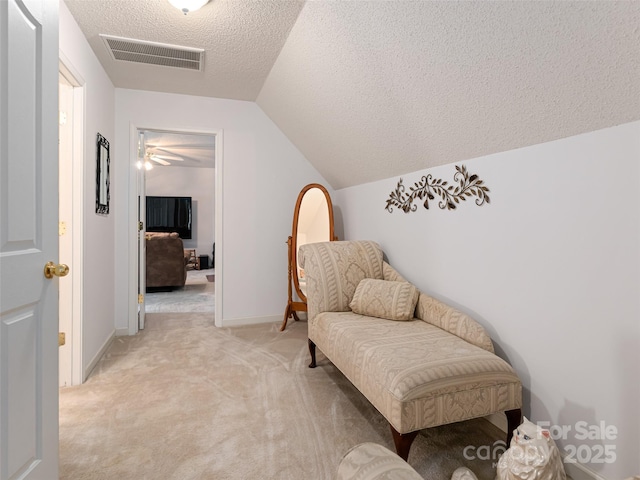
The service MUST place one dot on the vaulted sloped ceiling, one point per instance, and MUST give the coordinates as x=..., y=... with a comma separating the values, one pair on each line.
x=371, y=90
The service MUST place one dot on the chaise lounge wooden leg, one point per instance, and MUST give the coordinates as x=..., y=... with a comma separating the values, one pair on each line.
x=403, y=442
x=312, y=351
x=514, y=418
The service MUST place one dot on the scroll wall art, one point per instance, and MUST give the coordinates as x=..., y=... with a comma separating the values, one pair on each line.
x=450, y=195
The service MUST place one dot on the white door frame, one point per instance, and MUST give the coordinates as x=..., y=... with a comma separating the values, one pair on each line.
x=77, y=217
x=133, y=217
x=142, y=245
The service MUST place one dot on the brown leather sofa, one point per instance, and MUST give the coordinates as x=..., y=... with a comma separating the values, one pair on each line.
x=166, y=265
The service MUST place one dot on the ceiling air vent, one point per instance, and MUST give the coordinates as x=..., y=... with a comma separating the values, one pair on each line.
x=152, y=53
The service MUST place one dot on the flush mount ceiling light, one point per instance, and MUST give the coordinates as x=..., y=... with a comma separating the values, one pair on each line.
x=186, y=6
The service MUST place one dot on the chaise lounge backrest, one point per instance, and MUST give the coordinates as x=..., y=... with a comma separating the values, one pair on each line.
x=338, y=268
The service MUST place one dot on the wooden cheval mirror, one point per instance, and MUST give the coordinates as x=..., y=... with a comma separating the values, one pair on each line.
x=312, y=222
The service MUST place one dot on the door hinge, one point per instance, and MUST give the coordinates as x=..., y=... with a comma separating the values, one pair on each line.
x=140, y=298
x=62, y=228
x=140, y=226
x=61, y=339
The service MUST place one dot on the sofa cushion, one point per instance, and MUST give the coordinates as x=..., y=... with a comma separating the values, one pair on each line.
x=334, y=270
x=416, y=374
x=385, y=299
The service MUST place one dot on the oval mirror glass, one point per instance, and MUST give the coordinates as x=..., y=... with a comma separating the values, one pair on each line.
x=312, y=222
x=313, y=226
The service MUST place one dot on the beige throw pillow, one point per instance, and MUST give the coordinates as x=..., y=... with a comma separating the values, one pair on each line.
x=385, y=299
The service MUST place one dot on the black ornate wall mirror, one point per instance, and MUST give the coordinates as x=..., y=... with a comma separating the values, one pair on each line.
x=102, y=176
x=312, y=222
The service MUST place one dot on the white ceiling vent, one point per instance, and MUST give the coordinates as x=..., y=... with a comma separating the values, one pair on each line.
x=152, y=53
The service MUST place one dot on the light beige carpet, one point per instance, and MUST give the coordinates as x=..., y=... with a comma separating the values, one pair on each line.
x=197, y=295
x=186, y=400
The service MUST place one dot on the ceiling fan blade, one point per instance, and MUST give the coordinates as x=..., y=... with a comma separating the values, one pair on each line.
x=160, y=146
x=169, y=157
x=194, y=156
x=159, y=160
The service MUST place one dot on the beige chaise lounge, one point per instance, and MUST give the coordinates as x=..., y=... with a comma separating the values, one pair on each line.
x=431, y=365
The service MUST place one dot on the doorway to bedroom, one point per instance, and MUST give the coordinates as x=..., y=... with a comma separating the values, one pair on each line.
x=176, y=213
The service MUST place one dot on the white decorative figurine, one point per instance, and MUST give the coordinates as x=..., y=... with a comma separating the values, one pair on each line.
x=532, y=455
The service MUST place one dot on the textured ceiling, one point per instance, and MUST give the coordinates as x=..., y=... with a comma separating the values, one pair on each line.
x=371, y=90
x=241, y=39
x=374, y=89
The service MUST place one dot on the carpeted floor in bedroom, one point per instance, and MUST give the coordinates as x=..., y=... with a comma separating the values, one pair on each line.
x=197, y=295
x=186, y=400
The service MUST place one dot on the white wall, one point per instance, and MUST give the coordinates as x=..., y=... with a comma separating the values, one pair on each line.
x=262, y=176
x=196, y=183
x=98, y=230
x=551, y=267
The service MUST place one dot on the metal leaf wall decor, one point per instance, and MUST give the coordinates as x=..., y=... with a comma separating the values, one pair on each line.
x=464, y=186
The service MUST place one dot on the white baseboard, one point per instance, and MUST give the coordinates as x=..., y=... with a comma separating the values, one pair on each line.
x=122, y=332
x=98, y=356
x=237, y=322
x=576, y=471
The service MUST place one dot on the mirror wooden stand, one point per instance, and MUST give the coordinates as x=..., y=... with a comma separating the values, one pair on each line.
x=312, y=222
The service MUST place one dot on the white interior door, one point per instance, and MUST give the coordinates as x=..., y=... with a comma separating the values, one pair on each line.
x=28, y=239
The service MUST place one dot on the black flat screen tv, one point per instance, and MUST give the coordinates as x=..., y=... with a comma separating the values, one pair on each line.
x=169, y=214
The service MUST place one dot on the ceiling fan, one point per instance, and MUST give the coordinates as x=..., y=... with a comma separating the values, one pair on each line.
x=166, y=149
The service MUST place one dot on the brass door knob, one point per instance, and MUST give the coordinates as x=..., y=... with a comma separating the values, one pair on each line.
x=51, y=269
